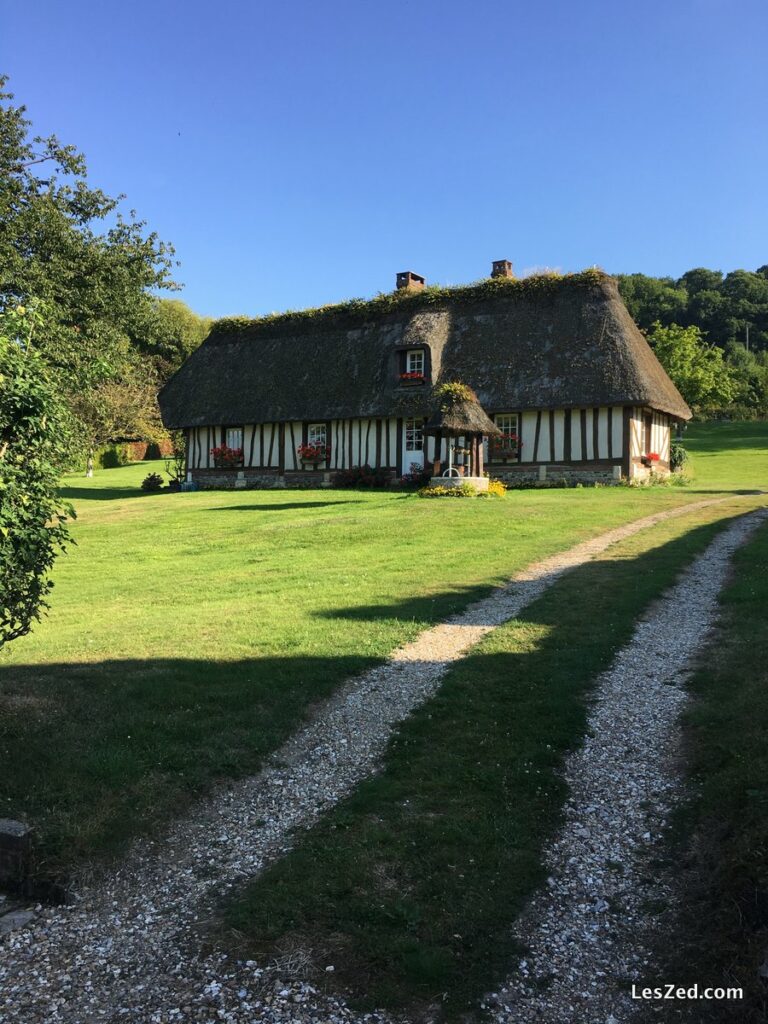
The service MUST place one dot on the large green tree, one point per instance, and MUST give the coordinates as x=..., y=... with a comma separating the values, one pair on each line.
x=724, y=308
x=71, y=247
x=698, y=369
x=175, y=333
x=33, y=443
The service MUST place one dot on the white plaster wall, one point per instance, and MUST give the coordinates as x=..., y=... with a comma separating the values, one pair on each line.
x=527, y=435
x=617, y=431
x=559, y=435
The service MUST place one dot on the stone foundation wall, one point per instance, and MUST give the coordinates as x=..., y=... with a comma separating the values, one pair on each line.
x=525, y=475
x=263, y=479
x=231, y=479
x=553, y=475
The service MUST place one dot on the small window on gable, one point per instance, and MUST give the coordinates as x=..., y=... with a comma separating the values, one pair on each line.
x=414, y=361
x=316, y=434
x=234, y=437
x=414, y=435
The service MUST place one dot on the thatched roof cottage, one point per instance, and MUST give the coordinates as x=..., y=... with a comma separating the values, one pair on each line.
x=556, y=362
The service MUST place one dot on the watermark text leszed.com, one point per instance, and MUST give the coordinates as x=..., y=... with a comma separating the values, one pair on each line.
x=696, y=991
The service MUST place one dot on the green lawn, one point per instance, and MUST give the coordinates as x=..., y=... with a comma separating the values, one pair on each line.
x=411, y=885
x=189, y=633
x=747, y=462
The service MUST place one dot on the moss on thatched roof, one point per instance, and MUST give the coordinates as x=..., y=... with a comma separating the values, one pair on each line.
x=457, y=412
x=354, y=312
x=543, y=342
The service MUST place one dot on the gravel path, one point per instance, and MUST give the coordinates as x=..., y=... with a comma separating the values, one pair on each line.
x=128, y=946
x=587, y=933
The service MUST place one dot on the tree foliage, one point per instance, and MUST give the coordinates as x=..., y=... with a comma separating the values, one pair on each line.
x=91, y=267
x=33, y=443
x=721, y=306
x=69, y=246
x=176, y=331
x=724, y=309
x=698, y=370
x=119, y=407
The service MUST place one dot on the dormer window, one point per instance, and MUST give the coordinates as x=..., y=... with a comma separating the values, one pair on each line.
x=413, y=363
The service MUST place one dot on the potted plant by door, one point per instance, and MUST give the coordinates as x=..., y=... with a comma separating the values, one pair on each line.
x=313, y=455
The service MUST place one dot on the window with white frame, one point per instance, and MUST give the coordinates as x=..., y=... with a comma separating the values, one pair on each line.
x=507, y=445
x=507, y=423
x=316, y=434
x=414, y=361
x=234, y=438
x=414, y=435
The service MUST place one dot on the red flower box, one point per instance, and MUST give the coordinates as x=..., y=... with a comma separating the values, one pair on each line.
x=225, y=457
x=505, y=446
x=314, y=452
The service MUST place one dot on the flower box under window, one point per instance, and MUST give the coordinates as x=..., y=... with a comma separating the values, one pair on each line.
x=313, y=453
x=412, y=377
x=225, y=457
x=507, y=446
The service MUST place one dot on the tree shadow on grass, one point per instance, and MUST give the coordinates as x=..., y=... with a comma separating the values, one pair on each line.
x=414, y=608
x=714, y=490
x=106, y=493
x=727, y=436
x=96, y=753
x=284, y=506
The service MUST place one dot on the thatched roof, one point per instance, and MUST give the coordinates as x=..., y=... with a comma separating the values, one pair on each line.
x=539, y=343
x=459, y=414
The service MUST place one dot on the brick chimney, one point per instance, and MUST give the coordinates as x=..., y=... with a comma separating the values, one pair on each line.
x=408, y=280
x=501, y=268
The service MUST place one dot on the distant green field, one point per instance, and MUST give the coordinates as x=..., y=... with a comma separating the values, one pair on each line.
x=189, y=633
x=729, y=455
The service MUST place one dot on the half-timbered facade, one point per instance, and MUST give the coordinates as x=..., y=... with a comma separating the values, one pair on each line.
x=557, y=364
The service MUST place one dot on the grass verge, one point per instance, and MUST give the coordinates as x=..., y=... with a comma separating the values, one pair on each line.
x=409, y=887
x=190, y=633
x=721, y=835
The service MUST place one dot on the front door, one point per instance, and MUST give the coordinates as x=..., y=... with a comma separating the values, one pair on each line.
x=413, y=445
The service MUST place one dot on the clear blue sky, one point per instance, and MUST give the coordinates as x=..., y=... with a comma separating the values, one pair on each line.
x=300, y=153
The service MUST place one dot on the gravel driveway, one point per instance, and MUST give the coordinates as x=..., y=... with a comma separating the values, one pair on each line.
x=588, y=933
x=127, y=947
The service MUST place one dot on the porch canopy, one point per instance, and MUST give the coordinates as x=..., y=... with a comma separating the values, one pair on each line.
x=458, y=413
